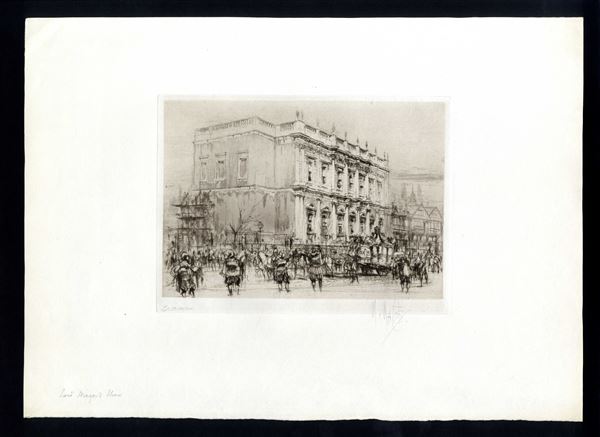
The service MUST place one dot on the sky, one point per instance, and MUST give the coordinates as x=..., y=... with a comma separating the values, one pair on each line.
x=412, y=133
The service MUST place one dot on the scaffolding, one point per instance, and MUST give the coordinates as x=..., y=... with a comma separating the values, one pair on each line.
x=194, y=229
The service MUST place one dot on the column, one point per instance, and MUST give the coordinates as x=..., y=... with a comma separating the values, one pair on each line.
x=299, y=229
x=298, y=168
x=302, y=169
x=317, y=222
x=356, y=186
x=345, y=180
x=346, y=222
x=332, y=176
x=367, y=221
x=333, y=221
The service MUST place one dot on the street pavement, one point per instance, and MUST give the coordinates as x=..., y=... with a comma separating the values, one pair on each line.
x=369, y=287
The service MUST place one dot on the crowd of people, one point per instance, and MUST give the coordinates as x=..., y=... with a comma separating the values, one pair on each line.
x=282, y=264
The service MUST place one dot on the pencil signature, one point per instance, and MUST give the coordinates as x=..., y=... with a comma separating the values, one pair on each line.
x=89, y=396
x=167, y=308
x=393, y=315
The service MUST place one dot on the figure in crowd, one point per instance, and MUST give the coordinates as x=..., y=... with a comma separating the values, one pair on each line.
x=315, y=267
x=232, y=273
x=197, y=271
x=280, y=271
x=184, y=276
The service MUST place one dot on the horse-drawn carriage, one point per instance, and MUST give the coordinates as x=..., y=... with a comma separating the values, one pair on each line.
x=373, y=260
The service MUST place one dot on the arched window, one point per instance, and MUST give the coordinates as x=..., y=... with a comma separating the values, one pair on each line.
x=340, y=178
x=340, y=222
x=325, y=215
x=352, y=220
x=310, y=218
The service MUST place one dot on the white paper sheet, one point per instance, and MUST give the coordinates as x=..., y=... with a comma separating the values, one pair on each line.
x=509, y=344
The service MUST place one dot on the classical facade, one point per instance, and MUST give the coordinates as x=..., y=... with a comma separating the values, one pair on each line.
x=272, y=182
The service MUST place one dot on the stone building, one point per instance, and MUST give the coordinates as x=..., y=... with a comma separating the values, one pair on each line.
x=272, y=182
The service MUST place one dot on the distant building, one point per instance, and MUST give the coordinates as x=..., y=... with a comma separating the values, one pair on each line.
x=416, y=227
x=265, y=182
x=400, y=225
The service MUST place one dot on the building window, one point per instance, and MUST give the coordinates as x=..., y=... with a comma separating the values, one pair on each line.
x=380, y=223
x=340, y=178
x=203, y=169
x=325, y=223
x=324, y=171
x=340, y=225
x=309, y=222
x=371, y=183
x=350, y=181
x=243, y=166
x=220, y=169
x=309, y=167
x=379, y=188
x=352, y=223
x=361, y=184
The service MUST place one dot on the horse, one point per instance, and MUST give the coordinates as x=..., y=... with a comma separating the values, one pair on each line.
x=299, y=262
x=420, y=272
x=263, y=266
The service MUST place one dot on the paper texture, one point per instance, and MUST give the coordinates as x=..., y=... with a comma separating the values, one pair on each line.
x=508, y=343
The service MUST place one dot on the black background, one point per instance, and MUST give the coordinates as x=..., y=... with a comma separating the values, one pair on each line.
x=12, y=28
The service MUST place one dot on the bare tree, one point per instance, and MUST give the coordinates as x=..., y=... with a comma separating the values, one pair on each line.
x=244, y=221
